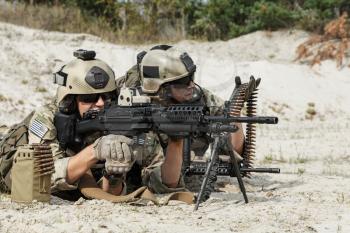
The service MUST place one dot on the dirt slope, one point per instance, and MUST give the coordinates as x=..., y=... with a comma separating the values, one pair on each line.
x=311, y=195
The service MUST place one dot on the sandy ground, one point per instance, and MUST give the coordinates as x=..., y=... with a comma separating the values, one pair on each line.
x=312, y=193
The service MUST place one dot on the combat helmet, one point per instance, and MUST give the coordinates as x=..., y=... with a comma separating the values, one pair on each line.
x=83, y=75
x=163, y=64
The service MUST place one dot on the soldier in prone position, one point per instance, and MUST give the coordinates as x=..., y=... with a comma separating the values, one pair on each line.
x=167, y=74
x=87, y=83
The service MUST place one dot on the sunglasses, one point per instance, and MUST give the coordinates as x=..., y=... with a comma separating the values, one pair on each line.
x=183, y=82
x=93, y=98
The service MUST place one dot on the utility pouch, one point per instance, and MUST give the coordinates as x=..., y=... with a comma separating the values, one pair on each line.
x=31, y=173
x=16, y=136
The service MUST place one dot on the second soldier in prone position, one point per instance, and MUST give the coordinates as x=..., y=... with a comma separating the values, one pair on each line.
x=167, y=74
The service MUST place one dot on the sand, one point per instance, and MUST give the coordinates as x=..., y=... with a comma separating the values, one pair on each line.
x=312, y=193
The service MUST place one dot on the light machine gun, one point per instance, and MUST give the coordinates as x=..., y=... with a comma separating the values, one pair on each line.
x=135, y=115
x=141, y=117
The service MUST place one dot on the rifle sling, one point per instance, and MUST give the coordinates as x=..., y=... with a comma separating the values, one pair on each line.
x=163, y=144
x=187, y=197
x=89, y=188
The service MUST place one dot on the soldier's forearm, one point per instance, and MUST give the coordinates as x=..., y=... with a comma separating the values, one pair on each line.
x=171, y=168
x=237, y=139
x=79, y=164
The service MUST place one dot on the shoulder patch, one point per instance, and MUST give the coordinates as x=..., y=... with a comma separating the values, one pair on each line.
x=38, y=128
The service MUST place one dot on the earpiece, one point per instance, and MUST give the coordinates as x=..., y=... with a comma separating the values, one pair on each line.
x=68, y=105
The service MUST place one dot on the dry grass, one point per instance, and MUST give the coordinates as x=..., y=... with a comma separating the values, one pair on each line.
x=333, y=44
x=310, y=111
x=71, y=20
x=56, y=18
x=2, y=98
x=301, y=171
x=41, y=89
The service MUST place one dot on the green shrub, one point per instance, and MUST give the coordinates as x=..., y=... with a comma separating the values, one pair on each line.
x=170, y=20
x=270, y=15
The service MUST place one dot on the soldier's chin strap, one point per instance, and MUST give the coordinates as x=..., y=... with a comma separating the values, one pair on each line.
x=198, y=94
x=89, y=188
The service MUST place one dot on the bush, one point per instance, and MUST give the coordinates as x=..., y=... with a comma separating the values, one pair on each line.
x=270, y=15
x=170, y=20
x=333, y=44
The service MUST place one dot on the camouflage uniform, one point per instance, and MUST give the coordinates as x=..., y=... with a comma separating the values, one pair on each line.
x=43, y=130
x=198, y=145
x=213, y=102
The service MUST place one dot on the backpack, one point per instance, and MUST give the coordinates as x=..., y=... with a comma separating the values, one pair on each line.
x=16, y=136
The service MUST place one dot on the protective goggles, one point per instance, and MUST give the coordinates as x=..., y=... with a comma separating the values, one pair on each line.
x=93, y=98
x=182, y=83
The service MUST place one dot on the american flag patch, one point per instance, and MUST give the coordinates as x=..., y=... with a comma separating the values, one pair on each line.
x=38, y=128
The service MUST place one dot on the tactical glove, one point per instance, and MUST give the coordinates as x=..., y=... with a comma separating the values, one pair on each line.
x=116, y=151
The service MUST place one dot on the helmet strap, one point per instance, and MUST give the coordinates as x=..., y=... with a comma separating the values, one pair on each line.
x=163, y=96
x=68, y=105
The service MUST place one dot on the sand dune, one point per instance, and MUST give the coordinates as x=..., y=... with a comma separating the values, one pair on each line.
x=312, y=194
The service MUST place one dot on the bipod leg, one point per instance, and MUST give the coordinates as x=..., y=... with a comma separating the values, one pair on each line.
x=236, y=170
x=213, y=158
x=239, y=177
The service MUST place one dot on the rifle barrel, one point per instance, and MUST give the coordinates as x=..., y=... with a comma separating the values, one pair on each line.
x=255, y=119
x=261, y=170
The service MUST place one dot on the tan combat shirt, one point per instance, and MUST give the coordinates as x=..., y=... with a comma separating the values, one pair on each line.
x=43, y=130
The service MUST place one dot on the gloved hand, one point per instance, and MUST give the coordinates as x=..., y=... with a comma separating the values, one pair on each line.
x=117, y=152
x=118, y=166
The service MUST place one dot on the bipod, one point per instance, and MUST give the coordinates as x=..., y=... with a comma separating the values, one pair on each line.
x=236, y=169
x=213, y=159
x=224, y=137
